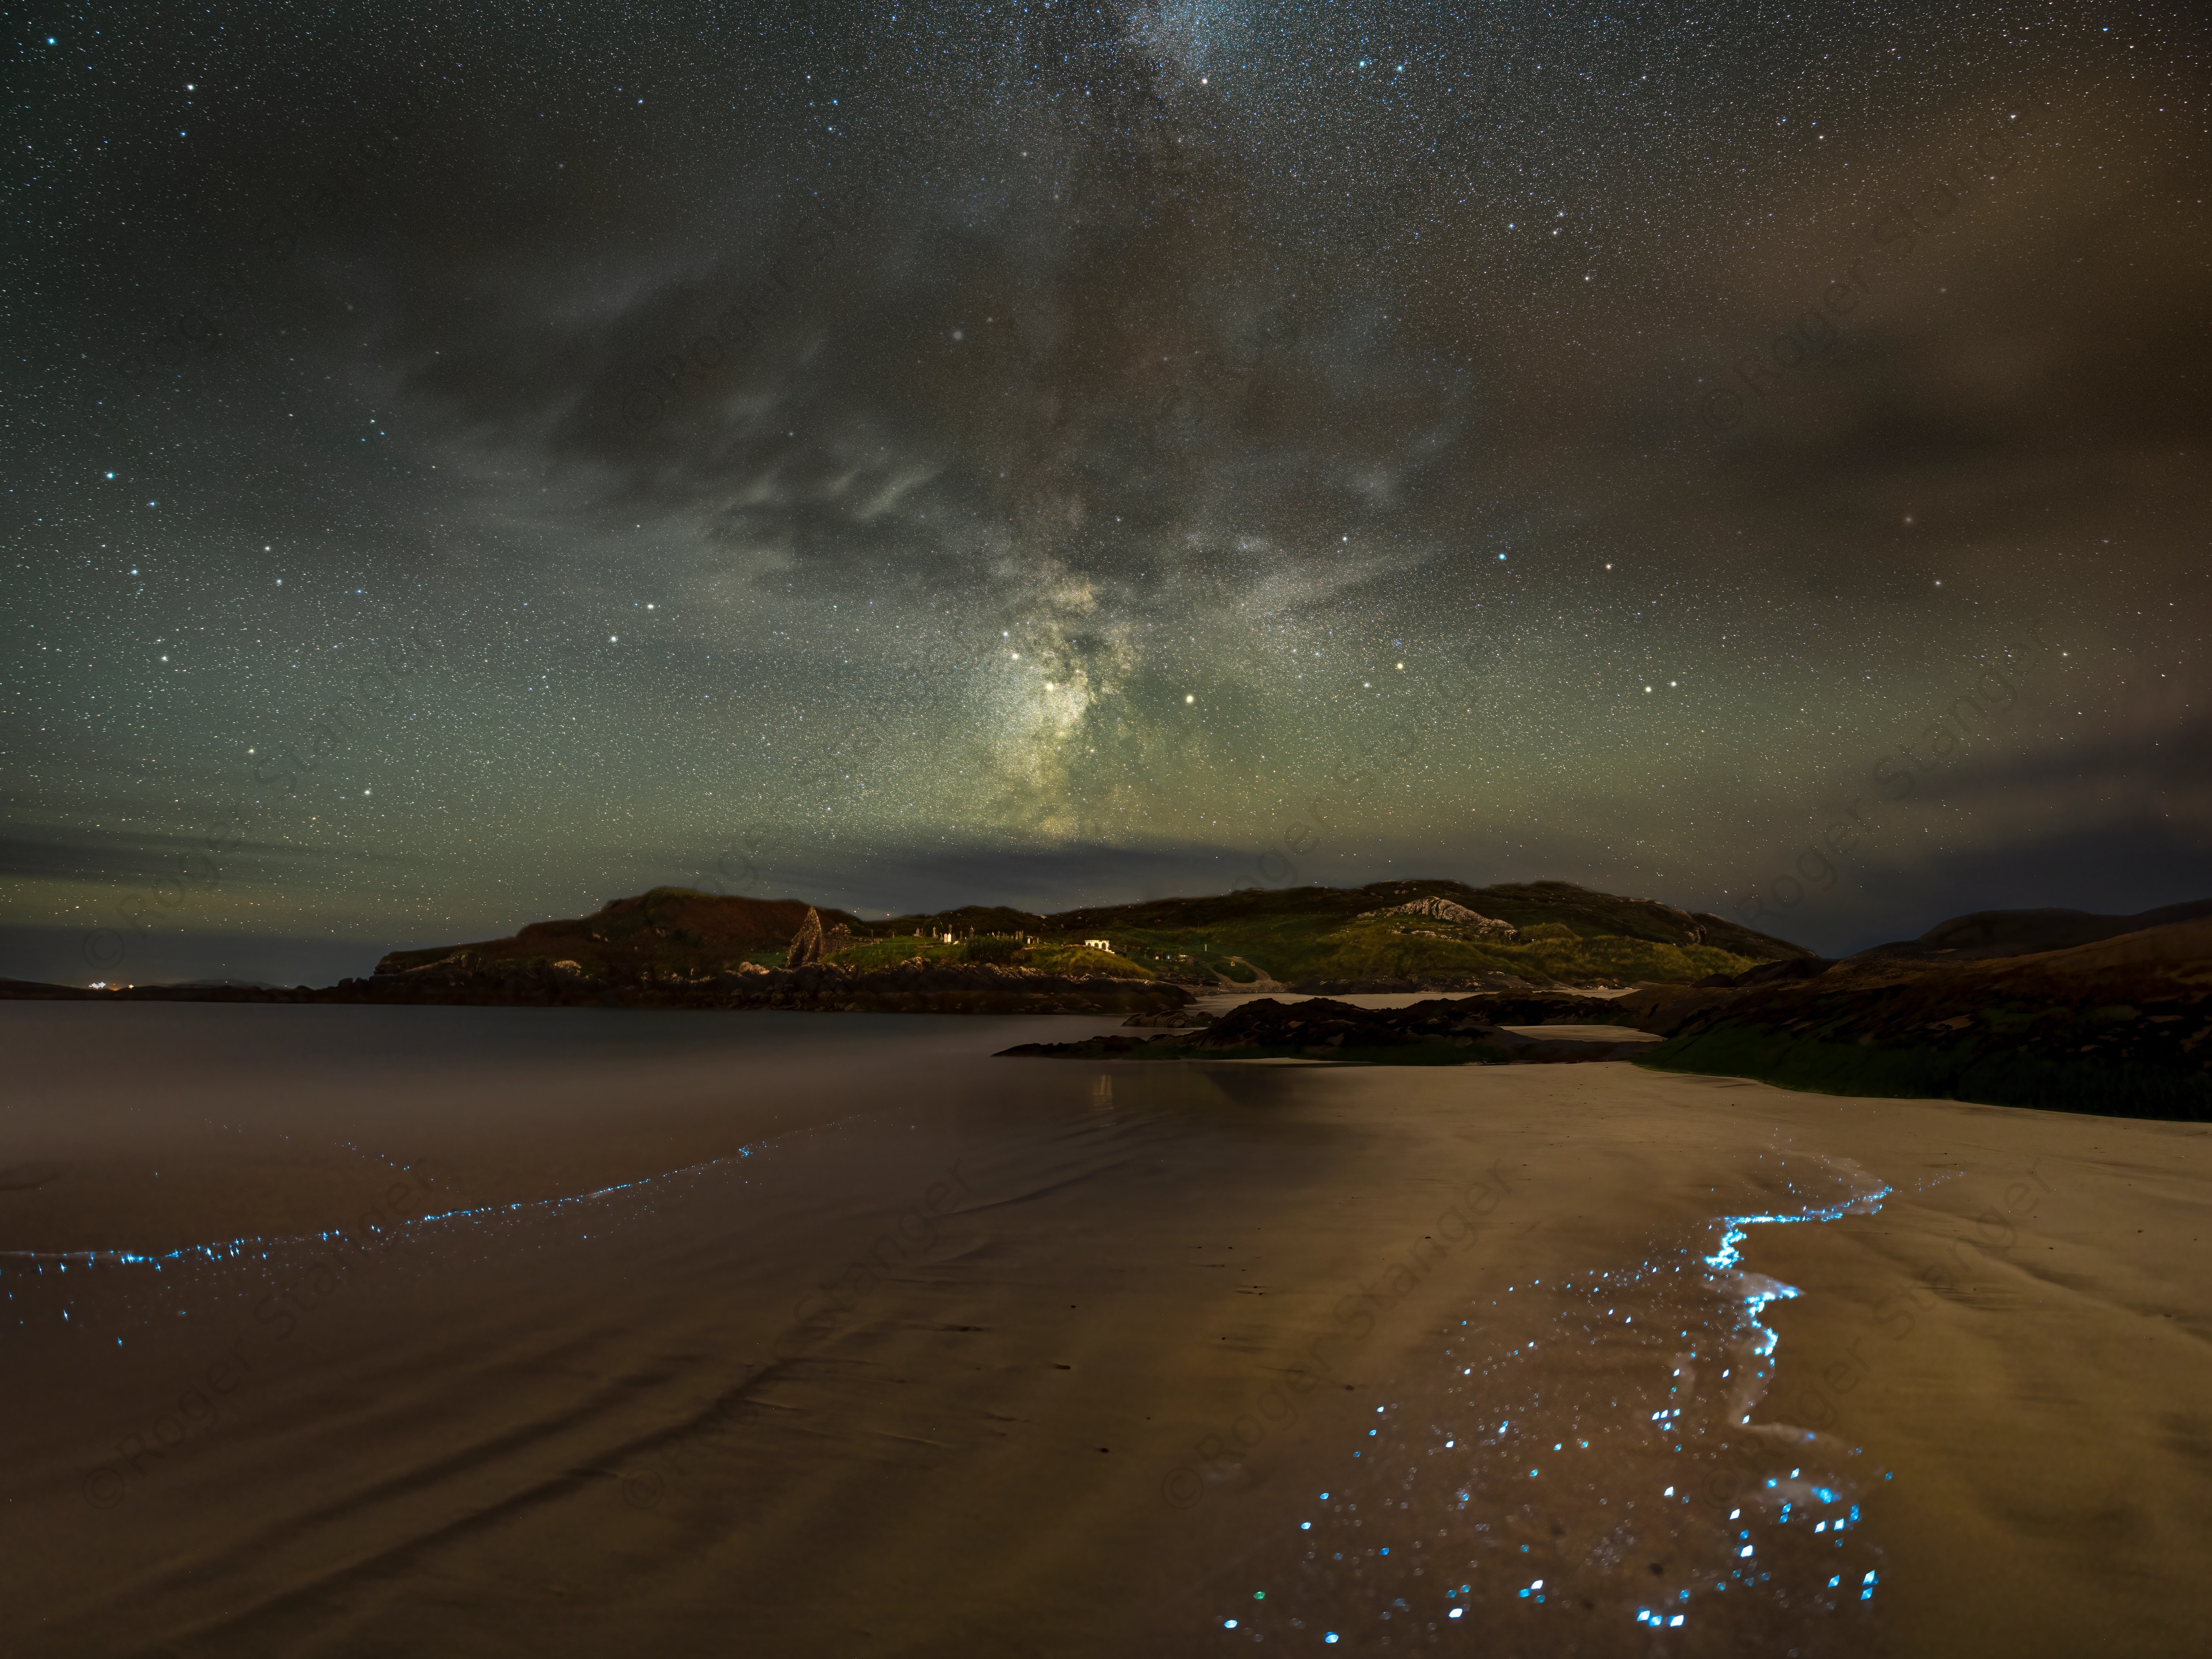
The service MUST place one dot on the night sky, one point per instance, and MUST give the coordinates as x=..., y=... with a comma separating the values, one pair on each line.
x=465, y=467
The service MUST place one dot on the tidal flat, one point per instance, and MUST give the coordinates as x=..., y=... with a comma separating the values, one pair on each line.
x=359, y=1330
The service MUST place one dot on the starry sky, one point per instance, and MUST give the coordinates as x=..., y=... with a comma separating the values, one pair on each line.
x=465, y=467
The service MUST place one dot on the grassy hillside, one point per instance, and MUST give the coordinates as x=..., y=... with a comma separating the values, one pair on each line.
x=1070, y=959
x=1564, y=932
x=1075, y=959
x=669, y=930
x=2121, y=1027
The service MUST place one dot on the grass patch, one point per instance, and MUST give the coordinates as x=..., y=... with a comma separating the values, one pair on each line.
x=1398, y=947
x=1072, y=960
x=869, y=955
x=1079, y=960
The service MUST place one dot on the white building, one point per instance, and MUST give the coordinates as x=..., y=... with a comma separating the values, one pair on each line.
x=1097, y=945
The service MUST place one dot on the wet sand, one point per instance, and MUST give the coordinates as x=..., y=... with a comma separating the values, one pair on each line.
x=829, y=1334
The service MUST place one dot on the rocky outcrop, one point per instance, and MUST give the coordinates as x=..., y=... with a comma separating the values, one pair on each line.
x=2120, y=1026
x=1467, y=1030
x=1471, y=924
x=806, y=943
x=1660, y=1009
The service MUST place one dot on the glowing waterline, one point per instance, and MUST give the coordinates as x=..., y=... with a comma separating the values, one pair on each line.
x=231, y=1249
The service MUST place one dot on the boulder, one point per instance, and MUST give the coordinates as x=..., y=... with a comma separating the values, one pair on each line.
x=806, y=944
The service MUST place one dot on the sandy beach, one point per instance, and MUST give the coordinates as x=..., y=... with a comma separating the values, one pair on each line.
x=363, y=1331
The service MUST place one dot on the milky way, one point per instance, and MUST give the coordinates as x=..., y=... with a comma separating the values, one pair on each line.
x=463, y=468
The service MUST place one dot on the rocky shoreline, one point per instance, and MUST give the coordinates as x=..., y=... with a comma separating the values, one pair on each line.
x=1447, y=1031
x=2121, y=1027
x=1458, y=985
x=819, y=987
